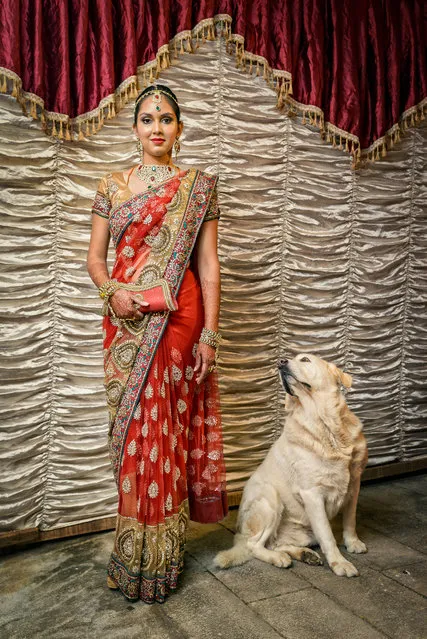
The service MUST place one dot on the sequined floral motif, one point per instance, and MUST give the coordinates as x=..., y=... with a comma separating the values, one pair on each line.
x=197, y=488
x=153, y=490
x=176, y=373
x=126, y=485
x=149, y=391
x=182, y=406
x=128, y=251
x=189, y=372
x=154, y=453
x=168, y=502
x=132, y=448
x=176, y=355
x=214, y=454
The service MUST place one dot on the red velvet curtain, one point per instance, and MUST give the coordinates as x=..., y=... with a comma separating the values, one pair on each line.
x=362, y=62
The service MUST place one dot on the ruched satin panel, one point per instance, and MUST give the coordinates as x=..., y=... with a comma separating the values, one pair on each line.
x=314, y=257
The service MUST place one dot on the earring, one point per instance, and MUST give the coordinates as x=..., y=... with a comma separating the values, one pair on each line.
x=177, y=148
x=140, y=150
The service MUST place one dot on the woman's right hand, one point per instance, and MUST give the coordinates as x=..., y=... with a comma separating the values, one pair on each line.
x=126, y=304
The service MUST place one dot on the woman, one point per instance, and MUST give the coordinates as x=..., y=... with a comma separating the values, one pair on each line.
x=165, y=432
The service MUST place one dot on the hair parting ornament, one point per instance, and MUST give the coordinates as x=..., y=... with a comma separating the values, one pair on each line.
x=157, y=90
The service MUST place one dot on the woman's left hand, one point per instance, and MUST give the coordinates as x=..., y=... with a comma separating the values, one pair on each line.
x=205, y=359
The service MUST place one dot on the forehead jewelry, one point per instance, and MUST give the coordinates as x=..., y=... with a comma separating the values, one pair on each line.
x=157, y=98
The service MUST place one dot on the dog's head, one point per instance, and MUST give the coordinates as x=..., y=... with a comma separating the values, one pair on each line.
x=308, y=373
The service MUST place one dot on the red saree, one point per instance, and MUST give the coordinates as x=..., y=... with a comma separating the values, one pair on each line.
x=165, y=431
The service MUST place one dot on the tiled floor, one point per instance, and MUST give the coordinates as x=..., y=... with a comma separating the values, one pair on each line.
x=57, y=590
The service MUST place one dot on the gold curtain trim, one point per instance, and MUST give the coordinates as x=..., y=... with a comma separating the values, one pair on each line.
x=345, y=141
x=60, y=125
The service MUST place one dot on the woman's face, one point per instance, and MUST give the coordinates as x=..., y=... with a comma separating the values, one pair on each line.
x=157, y=129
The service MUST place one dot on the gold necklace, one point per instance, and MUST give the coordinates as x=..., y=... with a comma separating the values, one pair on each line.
x=154, y=174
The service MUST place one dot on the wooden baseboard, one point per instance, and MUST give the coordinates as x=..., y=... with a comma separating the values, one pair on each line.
x=35, y=535
x=13, y=538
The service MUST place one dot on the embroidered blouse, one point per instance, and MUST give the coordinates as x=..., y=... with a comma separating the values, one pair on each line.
x=113, y=191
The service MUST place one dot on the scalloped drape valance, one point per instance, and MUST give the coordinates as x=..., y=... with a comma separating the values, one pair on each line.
x=354, y=70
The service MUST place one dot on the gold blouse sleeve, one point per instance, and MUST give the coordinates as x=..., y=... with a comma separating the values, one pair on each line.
x=101, y=205
x=213, y=212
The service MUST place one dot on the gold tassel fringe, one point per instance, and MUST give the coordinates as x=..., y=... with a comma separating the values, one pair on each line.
x=63, y=127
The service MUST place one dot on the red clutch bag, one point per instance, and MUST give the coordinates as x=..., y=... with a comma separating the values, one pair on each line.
x=158, y=296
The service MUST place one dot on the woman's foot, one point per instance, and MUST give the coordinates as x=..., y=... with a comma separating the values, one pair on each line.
x=111, y=584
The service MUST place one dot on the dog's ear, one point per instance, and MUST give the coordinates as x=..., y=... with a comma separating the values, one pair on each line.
x=343, y=378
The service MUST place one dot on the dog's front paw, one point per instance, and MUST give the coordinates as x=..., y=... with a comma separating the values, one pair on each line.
x=311, y=557
x=344, y=568
x=281, y=559
x=355, y=545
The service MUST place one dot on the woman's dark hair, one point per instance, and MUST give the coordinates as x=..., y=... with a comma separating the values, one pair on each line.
x=164, y=90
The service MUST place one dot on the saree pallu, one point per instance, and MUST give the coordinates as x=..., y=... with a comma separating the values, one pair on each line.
x=165, y=434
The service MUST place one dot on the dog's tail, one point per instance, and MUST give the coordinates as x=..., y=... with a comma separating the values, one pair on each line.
x=236, y=556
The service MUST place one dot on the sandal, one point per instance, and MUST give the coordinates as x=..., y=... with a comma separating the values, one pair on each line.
x=111, y=584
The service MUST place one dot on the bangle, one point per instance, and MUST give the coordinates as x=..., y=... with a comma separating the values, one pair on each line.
x=107, y=289
x=210, y=337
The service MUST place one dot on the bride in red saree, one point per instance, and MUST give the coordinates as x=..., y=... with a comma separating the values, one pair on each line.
x=165, y=436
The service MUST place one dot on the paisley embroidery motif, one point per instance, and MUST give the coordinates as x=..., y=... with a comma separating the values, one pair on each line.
x=114, y=392
x=160, y=242
x=124, y=355
x=126, y=544
x=149, y=274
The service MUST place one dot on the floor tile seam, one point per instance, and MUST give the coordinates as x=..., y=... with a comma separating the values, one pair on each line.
x=367, y=520
x=340, y=604
x=310, y=585
x=179, y=634
x=381, y=569
x=412, y=590
x=279, y=594
x=225, y=528
x=395, y=540
x=247, y=605
x=196, y=560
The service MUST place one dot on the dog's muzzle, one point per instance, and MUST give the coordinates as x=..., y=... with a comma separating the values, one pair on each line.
x=286, y=376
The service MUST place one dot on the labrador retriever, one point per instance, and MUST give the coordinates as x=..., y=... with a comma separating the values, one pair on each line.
x=311, y=473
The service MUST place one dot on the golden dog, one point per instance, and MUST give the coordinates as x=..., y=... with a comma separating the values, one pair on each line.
x=310, y=474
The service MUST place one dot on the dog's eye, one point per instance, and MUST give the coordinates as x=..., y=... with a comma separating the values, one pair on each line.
x=304, y=359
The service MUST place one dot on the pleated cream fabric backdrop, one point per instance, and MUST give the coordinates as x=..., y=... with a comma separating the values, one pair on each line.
x=314, y=256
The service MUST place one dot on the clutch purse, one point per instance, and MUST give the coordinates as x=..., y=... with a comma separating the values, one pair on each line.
x=158, y=295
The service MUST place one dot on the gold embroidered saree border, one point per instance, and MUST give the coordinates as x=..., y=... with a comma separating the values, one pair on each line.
x=147, y=560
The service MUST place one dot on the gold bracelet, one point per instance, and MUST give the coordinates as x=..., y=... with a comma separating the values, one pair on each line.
x=107, y=289
x=210, y=337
